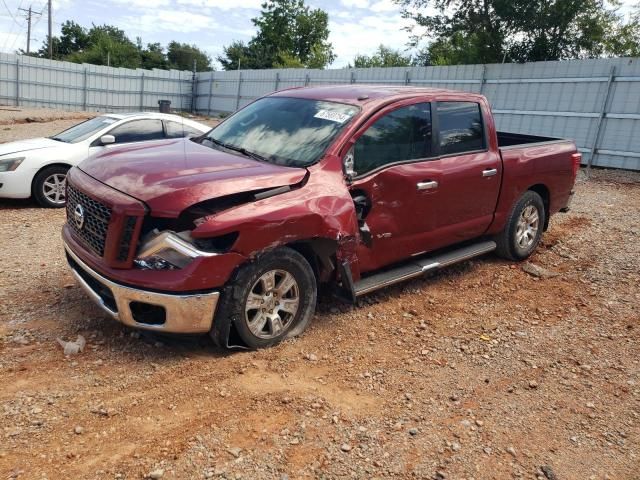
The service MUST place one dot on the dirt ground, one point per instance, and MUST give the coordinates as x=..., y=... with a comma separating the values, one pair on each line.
x=482, y=371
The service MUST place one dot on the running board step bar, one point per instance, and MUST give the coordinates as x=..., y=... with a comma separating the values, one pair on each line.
x=419, y=267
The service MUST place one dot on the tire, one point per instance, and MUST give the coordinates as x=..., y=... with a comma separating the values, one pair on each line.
x=48, y=186
x=270, y=299
x=522, y=232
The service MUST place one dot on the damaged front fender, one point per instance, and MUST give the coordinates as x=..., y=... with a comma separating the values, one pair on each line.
x=321, y=208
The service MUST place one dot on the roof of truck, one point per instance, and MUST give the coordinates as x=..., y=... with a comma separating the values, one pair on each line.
x=361, y=93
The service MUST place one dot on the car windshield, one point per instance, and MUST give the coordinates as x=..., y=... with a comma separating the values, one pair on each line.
x=83, y=130
x=293, y=132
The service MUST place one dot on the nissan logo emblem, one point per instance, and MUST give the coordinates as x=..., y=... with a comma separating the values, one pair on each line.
x=78, y=216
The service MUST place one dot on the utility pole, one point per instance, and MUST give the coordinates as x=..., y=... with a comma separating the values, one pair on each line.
x=50, y=38
x=29, y=15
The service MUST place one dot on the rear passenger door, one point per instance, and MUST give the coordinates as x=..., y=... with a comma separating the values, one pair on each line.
x=469, y=173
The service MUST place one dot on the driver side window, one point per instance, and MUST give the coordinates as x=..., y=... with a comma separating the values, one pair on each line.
x=401, y=135
x=138, y=131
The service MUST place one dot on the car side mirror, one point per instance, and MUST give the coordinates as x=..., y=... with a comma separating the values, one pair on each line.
x=107, y=139
x=350, y=164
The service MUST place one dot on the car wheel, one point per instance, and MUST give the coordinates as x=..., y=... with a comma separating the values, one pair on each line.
x=524, y=227
x=49, y=187
x=271, y=298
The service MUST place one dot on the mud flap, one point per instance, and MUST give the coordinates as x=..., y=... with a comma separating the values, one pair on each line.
x=346, y=291
x=223, y=332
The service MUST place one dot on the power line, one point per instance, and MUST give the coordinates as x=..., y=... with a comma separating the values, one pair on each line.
x=10, y=13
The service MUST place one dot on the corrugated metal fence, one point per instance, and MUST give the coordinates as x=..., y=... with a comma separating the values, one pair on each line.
x=37, y=82
x=595, y=102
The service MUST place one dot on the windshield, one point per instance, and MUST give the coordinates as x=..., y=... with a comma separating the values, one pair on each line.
x=83, y=130
x=293, y=132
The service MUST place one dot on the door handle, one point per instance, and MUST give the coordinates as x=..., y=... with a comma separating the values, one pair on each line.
x=490, y=172
x=432, y=185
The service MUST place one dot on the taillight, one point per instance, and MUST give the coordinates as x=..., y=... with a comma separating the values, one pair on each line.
x=577, y=160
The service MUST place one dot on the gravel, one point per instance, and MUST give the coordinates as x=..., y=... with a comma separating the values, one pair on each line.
x=499, y=373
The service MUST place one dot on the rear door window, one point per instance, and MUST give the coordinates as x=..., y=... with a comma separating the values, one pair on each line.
x=138, y=131
x=179, y=130
x=461, y=127
x=401, y=135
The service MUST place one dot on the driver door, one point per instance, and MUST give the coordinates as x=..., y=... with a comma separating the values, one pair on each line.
x=395, y=186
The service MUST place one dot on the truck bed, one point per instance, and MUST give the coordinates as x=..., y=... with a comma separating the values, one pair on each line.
x=514, y=140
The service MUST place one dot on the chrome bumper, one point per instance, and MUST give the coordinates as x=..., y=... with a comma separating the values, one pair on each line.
x=182, y=313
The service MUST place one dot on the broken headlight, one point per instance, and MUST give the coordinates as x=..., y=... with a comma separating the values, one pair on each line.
x=168, y=251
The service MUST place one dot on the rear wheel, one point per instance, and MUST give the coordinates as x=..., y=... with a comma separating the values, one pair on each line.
x=524, y=227
x=49, y=187
x=271, y=299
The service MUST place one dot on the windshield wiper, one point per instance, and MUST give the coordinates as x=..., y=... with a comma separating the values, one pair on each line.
x=58, y=139
x=241, y=150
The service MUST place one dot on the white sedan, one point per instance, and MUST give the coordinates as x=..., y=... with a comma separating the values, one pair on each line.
x=37, y=167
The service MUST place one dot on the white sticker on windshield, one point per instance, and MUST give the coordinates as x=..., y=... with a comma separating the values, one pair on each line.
x=332, y=116
x=109, y=121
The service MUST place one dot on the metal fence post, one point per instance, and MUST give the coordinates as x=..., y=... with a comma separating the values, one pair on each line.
x=407, y=78
x=84, y=89
x=238, y=93
x=306, y=80
x=353, y=77
x=277, y=83
x=210, y=94
x=142, y=92
x=600, y=121
x=17, y=82
x=483, y=81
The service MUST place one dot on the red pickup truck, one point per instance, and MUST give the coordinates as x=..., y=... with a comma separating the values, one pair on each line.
x=355, y=187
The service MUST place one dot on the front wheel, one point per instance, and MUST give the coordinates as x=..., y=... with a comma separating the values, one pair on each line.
x=49, y=186
x=524, y=227
x=271, y=299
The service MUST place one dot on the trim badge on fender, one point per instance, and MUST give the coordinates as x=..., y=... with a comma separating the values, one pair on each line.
x=78, y=216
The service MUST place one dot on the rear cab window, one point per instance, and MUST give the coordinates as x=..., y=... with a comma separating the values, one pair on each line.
x=461, y=129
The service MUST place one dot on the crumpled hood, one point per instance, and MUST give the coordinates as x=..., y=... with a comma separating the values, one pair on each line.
x=25, y=146
x=170, y=176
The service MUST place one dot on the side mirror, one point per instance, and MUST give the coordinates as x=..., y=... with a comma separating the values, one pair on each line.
x=350, y=164
x=107, y=139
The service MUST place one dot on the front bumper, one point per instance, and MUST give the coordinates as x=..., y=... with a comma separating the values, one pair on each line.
x=16, y=184
x=170, y=313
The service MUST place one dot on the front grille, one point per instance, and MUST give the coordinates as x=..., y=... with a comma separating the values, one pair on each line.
x=96, y=219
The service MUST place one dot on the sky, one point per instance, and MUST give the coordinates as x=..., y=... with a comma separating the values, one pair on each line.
x=357, y=26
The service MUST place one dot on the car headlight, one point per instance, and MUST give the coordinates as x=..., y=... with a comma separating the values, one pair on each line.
x=168, y=251
x=10, y=164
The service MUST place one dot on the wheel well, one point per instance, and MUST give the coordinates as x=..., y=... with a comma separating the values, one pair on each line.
x=320, y=253
x=543, y=191
x=49, y=165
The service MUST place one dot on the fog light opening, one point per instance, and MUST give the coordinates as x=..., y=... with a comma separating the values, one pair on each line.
x=148, y=313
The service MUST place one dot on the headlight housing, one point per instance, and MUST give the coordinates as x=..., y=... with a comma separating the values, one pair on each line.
x=10, y=164
x=168, y=251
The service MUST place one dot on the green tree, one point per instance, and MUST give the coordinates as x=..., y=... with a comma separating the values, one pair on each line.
x=493, y=31
x=290, y=34
x=153, y=56
x=182, y=55
x=383, y=57
x=623, y=40
x=107, y=45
